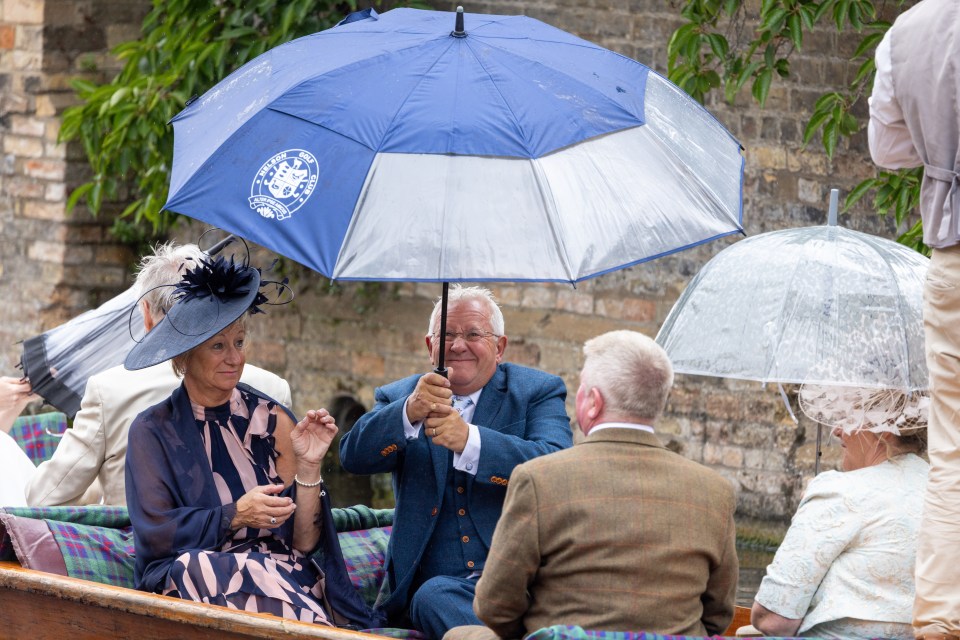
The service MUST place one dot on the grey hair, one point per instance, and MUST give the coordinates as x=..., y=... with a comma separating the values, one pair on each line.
x=459, y=293
x=165, y=266
x=632, y=372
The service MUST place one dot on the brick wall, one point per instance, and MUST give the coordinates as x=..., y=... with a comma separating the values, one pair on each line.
x=53, y=265
x=344, y=343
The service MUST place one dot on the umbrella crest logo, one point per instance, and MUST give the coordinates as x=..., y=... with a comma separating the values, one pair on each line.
x=284, y=183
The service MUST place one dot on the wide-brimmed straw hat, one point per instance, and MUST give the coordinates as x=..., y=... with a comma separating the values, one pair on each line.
x=862, y=409
x=210, y=297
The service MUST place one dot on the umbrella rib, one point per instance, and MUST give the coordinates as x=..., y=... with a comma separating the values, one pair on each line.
x=776, y=347
x=550, y=213
x=321, y=126
x=901, y=309
x=708, y=193
x=413, y=89
x=503, y=99
x=540, y=63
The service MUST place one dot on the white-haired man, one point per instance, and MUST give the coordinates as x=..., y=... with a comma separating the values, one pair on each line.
x=617, y=533
x=452, y=445
x=91, y=457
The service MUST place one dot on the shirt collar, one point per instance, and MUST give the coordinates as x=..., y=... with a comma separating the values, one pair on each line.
x=621, y=425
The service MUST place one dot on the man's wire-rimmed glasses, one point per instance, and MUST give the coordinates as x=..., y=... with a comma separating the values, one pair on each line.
x=473, y=335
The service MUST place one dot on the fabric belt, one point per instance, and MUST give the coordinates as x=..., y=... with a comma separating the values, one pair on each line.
x=951, y=205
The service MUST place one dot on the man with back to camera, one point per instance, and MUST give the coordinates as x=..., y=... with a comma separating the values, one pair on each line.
x=617, y=533
x=452, y=446
x=95, y=448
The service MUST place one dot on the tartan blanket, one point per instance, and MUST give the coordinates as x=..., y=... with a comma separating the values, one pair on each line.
x=39, y=435
x=569, y=632
x=361, y=517
x=92, y=543
x=96, y=543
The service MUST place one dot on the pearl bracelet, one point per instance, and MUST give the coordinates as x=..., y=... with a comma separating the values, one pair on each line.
x=309, y=485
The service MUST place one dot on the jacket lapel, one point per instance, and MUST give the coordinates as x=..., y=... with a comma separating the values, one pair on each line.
x=491, y=400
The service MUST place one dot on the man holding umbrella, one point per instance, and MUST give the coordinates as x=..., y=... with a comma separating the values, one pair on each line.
x=915, y=121
x=452, y=445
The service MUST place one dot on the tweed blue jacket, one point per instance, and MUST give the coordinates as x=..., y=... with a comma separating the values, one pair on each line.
x=520, y=415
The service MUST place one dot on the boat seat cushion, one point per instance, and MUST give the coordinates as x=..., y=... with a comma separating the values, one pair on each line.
x=364, y=551
x=96, y=543
x=92, y=543
x=39, y=435
x=571, y=632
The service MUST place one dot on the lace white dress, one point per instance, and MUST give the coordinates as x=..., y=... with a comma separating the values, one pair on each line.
x=846, y=564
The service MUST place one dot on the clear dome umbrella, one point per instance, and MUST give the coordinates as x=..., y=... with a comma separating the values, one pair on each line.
x=817, y=305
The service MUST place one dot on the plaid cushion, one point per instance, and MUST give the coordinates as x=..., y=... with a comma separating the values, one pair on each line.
x=39, y=435
x=363, y=554
x=361, y=517
x=570, y=632
x=96, y=516
x=100, y=554
x=113, y=517
x=97, y=543
x=402, y=634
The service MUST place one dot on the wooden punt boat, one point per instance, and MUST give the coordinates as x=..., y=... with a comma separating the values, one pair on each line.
x=45, y=606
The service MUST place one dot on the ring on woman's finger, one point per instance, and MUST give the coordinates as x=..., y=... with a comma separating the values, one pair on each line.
x=273, y=521
x=433, y=406
x=434, y=433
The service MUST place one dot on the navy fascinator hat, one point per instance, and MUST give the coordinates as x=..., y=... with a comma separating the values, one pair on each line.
x=209, y=298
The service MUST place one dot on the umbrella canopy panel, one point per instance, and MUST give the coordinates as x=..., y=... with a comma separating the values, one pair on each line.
x=820, y=305
x=386, y=149
x=59, y=362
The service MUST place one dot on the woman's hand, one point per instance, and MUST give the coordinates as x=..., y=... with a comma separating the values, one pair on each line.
x=261, y=508
x=15, y=394
x=311, y=437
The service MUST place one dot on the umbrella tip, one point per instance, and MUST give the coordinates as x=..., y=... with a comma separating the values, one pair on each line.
x=458, y=31
x=834, y=202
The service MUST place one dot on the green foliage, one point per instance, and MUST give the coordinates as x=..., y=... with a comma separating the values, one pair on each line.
x=716, y=48
x=898, y=192
x=186, y=47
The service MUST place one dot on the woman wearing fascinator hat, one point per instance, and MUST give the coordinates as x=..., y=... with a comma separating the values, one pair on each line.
x=845, y=568
x=223, y=484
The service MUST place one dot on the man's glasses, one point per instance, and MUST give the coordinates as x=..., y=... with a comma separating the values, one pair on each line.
x=474, y=335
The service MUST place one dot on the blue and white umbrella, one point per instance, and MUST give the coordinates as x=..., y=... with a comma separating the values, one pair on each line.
x=398, y=147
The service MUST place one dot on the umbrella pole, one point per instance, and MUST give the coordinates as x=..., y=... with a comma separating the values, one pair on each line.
x=442, y=370
x=816, y=462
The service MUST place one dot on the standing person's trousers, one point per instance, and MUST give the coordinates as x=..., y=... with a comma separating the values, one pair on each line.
x=937, y=606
